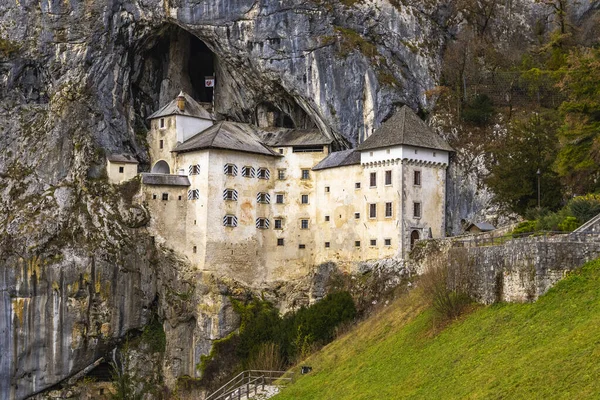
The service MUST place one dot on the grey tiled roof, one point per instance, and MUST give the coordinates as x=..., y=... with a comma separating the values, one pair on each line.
x=165, y=180
x=404, y=127
x=122, y=158
x=483, y=226
x=294, y=137
x=228, y=135
x=339, y=159
x=192, y=109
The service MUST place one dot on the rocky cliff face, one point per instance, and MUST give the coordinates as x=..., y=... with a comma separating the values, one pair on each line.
x=78, y=79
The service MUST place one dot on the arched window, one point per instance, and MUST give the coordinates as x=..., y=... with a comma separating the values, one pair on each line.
x=161, y=167
x=414, y=236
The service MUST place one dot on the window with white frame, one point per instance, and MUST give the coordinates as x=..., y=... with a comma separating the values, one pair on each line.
x=373, y=210
x=373, y=242
x=306, y=174
x=388, y=210
x=388, y=177
x=278, y=223
x=194, y=169
x=281, y=174
x=262, y=223
x=304, y=199
x=193, y=194
x=303, y=224
x=230, y=220
x=417, y=210
x=387, y=242
x=230, y=194
x=263, y=173
x=230, y=169
x=263, y=198
x=373, y=179
x=280, y=242
x=248, y=172
x=279, y=198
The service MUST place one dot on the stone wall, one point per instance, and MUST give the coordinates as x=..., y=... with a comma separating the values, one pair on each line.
x=522, y=269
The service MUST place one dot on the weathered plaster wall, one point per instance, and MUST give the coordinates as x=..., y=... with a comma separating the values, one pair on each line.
x=130, y=171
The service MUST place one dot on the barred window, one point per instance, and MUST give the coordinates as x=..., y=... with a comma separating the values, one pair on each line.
x=306, y=174
x=230, y=220
x=263, y=198
x=263, y=173
x=193, y=194
x=304, y=199
x=248, y=172
x=303, y=224
x=388, y=210
x=230, y=194
x=262, y=223
x=278, y=223
x=280, y=242
x=281, y=174
x=388, y=177
x=279, y=199
x=194, y=169
x=373, y=179
x=230, y=169
x=373, y=210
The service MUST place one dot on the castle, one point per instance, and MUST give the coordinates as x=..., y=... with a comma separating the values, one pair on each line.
x=262, y=204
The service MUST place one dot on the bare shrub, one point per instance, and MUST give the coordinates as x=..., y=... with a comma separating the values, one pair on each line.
x=268, y=358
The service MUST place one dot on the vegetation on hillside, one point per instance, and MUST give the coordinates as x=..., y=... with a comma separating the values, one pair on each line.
x=547, y=349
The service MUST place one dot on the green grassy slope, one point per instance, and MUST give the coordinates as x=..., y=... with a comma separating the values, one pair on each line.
x=548, y=349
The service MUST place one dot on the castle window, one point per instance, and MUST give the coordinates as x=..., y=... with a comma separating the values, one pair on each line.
x=165, y=196
x=357, y=243
x=121, y=170
x=434, y=154
x=263, y=173
x=327, y=189
x=301, y=246
x=327, y=218
x=356, y=215
x=230, y=220
x=280, y=151
x=388, y=177
x=230, y=194
x=153, y=197
x=179, y=197
x=416, y=151
x=248, y=172
x=194, y=249
x=306, y=174
x=357, y=185
x=370, y=154
x=387, y=151
x=262, y=223
x=303, y=224
x=161, y=144
x=230, y=169
x=161, y=124
x=281, y=174
x=193, y=194
x=373, y=179
x=304, y=199
x=263, y=198
x=373, y=242
x=194, y=169
x=388, y=210
x=278, y=223
x=417, y=178
x=327, y=245
x=387, y=242
x=373, y=210
x=417, y=210
x=279, y=199
x=280, y=242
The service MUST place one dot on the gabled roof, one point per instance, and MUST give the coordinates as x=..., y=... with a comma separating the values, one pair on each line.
x=227, y=135
x=339, y=159
x=192, y=109
x=404, y=128
x=122, y=158
x=295, y=137
x=483, y=226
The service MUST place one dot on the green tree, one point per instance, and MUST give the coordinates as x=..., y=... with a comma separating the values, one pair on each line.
x=529, y=146
x=578, y=161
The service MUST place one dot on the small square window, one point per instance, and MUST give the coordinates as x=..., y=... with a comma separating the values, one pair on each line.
x=357, y=243
x=121, y=170
x=281, y=174
x=263, y=198
x=373, y=210
x=373, y=242
x=387, y=242
x=263, y=173
x=303, y=224
x=280, y=151
x=262, y=223
x=373, y=179
x=247, y=172
x=279, y=199
x=192, y=170
x=161, y=144
x=278, y=223
x=356, y=215
x=153, y=197
x=327, y=245
x=357, y=185
x=387, y=151
x=230, y=169
x=327, y=218
x=165, y=196
x=304, y=199
x=305, y=174
x=179, y=197
x=327, y=189
x=417, y=210
x=417, y=178
x=388, y=177
x=301, y=246
x=280, y=242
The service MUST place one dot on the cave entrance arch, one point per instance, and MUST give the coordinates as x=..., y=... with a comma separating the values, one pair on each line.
x=414, y=236
x=161, y=167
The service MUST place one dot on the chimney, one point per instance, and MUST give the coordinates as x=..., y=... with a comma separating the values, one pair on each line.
x=181, y=101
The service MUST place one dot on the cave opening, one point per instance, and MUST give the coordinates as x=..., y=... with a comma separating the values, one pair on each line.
x=201, y=67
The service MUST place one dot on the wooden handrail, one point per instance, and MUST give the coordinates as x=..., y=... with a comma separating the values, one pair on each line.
x=240, y=384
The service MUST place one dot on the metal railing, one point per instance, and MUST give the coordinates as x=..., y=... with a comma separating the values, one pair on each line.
x=491, y=240
x=247, y=382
